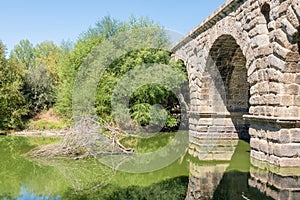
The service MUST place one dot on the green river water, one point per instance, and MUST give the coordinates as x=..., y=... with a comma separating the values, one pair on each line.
x=24, y=178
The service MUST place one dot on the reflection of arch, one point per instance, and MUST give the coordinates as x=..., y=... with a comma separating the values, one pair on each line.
x=229, y=60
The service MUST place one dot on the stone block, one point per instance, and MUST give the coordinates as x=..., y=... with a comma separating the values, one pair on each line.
x=280, y=50
x=263, y=51
x=292, y=67
x=258, y=30
x=286, y=100
x=297, y=79
x=269, y=111
x=276, y=62
x=286, y=150
x=283, y=195
x=289, y=29
x=289, y=78
x=254, y=143
x=278, y=36
x=293, y=111
x=284, y=136
x=289, y=162
x=295, y=135
x=258, y=155
x=293, y=57
x=296, y=101
x=260, y=40
x=263, y=146
x=292, y=17
x=292, y=89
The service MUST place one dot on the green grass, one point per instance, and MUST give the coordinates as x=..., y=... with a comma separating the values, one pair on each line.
x=43, y=124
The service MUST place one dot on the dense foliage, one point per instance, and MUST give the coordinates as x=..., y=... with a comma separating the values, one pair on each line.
x=41, y=73
x=12, y=102
x=142, y=100
x=39, y=77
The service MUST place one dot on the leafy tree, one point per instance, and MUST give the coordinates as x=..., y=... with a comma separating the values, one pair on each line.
x=68, y=66
x=41, y=78
x=48, y=54
x=12, y=103
x=24, y=53
x=39, y=89
x=144, y=98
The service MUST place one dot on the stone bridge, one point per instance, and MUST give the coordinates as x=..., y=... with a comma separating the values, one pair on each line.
x=243, y=64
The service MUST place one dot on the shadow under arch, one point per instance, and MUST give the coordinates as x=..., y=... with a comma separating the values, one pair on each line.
x=227, y=68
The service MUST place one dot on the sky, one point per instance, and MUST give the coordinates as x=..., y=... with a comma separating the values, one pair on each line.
x=58, y=20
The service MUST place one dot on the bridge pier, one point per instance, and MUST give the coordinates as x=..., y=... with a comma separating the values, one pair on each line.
x=276, y=141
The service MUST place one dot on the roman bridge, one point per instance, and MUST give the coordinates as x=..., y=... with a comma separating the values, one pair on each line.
x=243, y=64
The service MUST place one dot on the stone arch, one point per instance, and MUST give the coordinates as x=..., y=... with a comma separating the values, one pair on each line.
x=235, y=30
x=228, y=59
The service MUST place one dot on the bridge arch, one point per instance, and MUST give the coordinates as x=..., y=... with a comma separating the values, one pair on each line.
x=225, y=90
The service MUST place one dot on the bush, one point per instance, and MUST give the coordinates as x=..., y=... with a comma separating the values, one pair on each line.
x=39, y=89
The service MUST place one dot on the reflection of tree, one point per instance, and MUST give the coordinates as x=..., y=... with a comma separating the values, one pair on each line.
x=16, y=170
x=81, y=175
x=174, y=188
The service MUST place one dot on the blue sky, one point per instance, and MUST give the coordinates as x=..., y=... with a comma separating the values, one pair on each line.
x=58, y=20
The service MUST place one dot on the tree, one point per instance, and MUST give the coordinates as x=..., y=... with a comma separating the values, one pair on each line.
x=41, y=78
x=48, y=54
x=141, y=102
x=73, y=59
x=12, y=103
x=24, y=53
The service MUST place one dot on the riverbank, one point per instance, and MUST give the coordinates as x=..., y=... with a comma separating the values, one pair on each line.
x=47, y=133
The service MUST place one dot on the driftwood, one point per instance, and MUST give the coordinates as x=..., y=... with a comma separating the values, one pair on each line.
x=86, y=138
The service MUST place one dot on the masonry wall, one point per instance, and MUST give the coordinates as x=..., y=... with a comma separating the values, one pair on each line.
x=274, y=183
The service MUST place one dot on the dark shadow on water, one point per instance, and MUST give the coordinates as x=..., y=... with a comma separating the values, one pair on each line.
x=234, y=183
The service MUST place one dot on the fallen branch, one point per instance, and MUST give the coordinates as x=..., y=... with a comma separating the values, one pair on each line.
x=86, y=139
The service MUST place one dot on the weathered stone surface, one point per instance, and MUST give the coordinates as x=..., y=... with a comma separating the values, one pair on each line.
x=272, y=183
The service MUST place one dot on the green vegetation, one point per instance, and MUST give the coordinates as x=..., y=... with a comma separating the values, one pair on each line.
x=37, y=78
x=41, y=73
x=12, y=102
x=145, y=96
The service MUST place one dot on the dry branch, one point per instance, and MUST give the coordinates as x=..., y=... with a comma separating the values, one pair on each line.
x=86, y=138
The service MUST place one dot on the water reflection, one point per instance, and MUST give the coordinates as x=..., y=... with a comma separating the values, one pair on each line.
x=275, y=182
x=29, y=194
x=224, y=172
x=239, y=177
